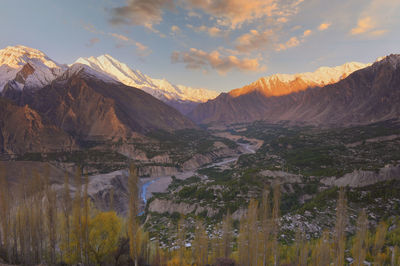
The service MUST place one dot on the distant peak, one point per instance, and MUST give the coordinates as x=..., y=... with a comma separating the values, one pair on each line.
x=282, y=84
x=18, y=55
x=27, y=66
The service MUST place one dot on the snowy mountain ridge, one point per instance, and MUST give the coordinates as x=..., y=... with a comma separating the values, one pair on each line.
x=28, y=67
x=159, y=88
x=282, y=84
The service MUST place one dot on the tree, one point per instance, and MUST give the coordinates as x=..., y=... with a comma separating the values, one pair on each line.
x=275, y=224
x=75, y=249
x=252, y=232
x=66, y=211
x=180, y=240
x=51, y=215
x=227, y=236
x=379, y=241
x=321, y=251
x=248, y=235
x=200, y=245
x=341, y=221
x=133, y=225
x=359, y=249
x=243, y=244
x=265, y=217
x=85, y=220
x=4, y=212
x=104, y=233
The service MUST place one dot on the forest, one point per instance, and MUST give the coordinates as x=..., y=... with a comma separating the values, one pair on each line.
x=41, y=226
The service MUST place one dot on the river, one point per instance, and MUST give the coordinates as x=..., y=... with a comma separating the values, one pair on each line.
x=160, y=184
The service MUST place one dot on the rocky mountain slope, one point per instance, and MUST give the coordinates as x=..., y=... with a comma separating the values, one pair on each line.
x=90, y=105
x=22, y=129
x=181, y=97
x=366, y=95
x=51, y=103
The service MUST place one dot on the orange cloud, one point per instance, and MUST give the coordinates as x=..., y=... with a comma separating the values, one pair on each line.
x=234, y=13
x=363, y=25
x=307, y=33
x=119, y=37
x=324, y=26
x=212, y=31
x=292, y=42
x=367, y=26
x=199, y=59
x=141, y=12
x=253, y=40
x=376, y=18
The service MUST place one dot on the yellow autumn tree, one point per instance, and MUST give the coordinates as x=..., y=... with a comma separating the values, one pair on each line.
x=104, y=233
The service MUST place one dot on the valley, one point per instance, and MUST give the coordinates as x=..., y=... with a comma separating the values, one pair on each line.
x=102, y=151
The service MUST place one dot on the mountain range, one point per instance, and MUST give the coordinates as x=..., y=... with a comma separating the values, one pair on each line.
x=349, y=94
x=102, y=98
x=42, y=99
x=181, y=97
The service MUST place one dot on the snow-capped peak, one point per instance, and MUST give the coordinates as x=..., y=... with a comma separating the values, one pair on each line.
x=159, y=88
x=82, y=69
x=323, y=75
x=42, y=71
x=282, y=84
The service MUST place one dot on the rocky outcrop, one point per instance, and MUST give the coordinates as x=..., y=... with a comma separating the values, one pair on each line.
x=360, y=178
x=101, y=187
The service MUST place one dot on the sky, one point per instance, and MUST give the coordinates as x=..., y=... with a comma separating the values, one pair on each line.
x=213, y=44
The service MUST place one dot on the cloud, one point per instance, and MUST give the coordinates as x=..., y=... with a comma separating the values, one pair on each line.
x=282, y=20
x=363, y=25
x=292, y=42
x=376, y=17
x=141, y=49
x=175, y=29
x=92, y=42
x=91, y=28
x=234, y=13
x=120, y=37
x=367, y=26
x=307, y=33
x=141, y=12
x=199, y=59
x=254, y=40
x=324, y=26
x=122, y=40
x=212, y=31
x=193, y=14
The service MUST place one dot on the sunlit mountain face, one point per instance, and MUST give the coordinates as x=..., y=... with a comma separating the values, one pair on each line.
x=194, y=132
